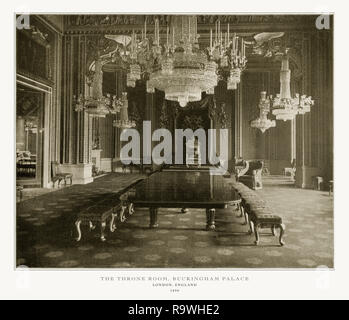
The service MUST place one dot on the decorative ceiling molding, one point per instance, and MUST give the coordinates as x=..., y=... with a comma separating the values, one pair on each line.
x=124, y=24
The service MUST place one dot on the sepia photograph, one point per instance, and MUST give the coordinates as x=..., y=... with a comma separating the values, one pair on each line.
x=174, y=141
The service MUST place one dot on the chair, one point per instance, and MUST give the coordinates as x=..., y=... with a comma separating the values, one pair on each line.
x=318, y=182
x=240, y=167
x=59, y=176
x=291, y=170
x=251, y=175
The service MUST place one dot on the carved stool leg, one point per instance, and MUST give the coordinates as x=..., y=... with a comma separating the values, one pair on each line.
x=112, y=222
x=246, y=218
x=256, y=233
x=103, y=226
x=153, y=217
x=240, y=207
x=273, y=231
x=251, y=231
x=92, y=227
x=122, y=214
x=78, y=228
x=210, y=219
x=282, y=232
x=131, y=209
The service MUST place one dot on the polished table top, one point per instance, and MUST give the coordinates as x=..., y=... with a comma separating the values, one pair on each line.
x=187, y=188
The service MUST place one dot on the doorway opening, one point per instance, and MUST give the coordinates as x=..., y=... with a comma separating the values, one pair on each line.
x=29, y=138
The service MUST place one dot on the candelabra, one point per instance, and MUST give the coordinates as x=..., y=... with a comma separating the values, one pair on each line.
x=95, y=103
x=229, y=53
x=124, y=122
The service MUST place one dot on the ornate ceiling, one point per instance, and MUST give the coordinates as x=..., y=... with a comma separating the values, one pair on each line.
x=297, y=28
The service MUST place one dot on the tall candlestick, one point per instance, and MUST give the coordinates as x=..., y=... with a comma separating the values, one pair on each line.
x=173, y=36
x=145, y=28
x=189, y=29
x=182, y=30
x=210, y=38
x=228, y=34
x=215, y=35
x=196, y=27
x=167, y=33
x=158, y=32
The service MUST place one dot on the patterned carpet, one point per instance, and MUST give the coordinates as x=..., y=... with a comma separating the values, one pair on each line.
x=45, y=228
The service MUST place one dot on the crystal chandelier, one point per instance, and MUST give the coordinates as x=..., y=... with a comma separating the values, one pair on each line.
x=124, y=122
x=94, y=103
x=262, y=122
x=178, y=66
x=284, y=106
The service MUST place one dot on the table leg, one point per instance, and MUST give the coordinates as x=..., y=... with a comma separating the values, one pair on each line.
x=103, y=226
x=112, y=222
x=273, y=231
x=210, y=219
x=153, y=217
x=256, y=233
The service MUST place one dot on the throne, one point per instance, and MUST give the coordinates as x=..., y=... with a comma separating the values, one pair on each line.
x=250, y=173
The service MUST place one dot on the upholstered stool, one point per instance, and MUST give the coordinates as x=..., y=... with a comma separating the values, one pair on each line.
x=251, y=206
x=265, y=218
x=246, y=195
x=106, y=210
x=317, y=182
x=246, y=204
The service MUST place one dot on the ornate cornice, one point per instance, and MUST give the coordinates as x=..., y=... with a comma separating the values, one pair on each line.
x=123, y=24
